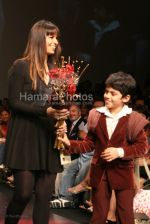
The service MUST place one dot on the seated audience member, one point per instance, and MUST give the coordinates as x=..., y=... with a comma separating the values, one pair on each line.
x=85, y=110
x=4, y=116
x=98, y=103
x=140, y=101
x=73, y=174
x=82, y=186
x=142, y=109
x=75, y=123
x=143, y=175
x=75, y=171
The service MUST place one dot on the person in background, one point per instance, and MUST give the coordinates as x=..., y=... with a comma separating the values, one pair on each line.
x=30, y=137
x=118, y=138
x=142, y=108
x=140, y=101
x=75, y=122
x=98, y=103
x=85, y=110
x=76, y=170
x=4, y=117
x=82, y=186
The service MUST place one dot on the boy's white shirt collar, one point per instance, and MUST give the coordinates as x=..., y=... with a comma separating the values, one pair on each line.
x=125, y=110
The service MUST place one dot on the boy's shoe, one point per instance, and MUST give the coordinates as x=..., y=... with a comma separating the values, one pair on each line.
x=62, y=203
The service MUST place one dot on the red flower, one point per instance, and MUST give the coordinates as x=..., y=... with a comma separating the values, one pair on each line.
x=64, y=79
x=71, y=89
x=70, y=68
x=62, y=73
x=54, y=73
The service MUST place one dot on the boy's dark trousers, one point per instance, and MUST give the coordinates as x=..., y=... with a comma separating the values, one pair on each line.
x=101, y=202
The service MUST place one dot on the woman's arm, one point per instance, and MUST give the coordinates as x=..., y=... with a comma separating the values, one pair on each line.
x=16, y=94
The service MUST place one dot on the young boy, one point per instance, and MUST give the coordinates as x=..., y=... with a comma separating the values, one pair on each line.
x=118, y=138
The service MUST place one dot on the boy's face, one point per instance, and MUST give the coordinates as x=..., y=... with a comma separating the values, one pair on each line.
x=114, y=100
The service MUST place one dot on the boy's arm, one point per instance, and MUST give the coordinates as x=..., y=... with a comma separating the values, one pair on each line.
x=129, y=150
x=137, y=149
x=79, y=146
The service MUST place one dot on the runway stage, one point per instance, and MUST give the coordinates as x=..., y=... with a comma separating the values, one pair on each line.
x=60, y=216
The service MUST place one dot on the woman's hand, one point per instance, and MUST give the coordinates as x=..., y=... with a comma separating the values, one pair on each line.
x=65, y=140
x=58, y=114
x=61, y=129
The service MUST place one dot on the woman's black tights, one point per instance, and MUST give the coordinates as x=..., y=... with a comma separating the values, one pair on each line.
x=43, y=184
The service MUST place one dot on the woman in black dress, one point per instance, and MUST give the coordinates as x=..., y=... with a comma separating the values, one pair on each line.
x=30, y=139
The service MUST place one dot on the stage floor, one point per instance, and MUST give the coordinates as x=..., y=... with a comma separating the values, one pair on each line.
x=60, y=216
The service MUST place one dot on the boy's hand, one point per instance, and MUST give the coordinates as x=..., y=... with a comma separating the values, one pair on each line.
x=64, y=140
x=82, y=134
x=110, y=154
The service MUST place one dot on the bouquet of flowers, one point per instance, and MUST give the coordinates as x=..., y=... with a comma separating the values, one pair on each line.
x=64, y=80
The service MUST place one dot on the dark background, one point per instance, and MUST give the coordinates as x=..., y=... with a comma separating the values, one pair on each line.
x=17, y=17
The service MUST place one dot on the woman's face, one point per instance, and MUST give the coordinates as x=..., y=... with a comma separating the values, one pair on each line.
x=51, y=43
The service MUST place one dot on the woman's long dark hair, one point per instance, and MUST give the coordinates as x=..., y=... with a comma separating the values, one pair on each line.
x=35, y=51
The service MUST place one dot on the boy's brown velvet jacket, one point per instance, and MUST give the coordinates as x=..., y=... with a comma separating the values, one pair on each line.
x=128, y=134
